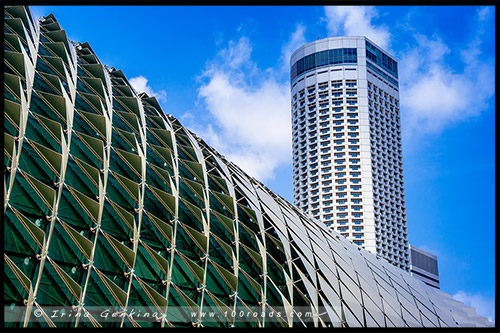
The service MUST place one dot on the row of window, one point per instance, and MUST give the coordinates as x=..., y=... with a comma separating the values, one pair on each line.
x=335, y=125
x=337, y=100
x=325, y=147
x=336, y=110
x=336, y=119
x=324, y=95
x=324, y=171
x=339, y=215
x=322, y=86
x=324, y=58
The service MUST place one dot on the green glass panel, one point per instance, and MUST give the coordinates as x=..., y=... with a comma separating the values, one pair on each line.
x=52, y=132
x=13, y=112
x=95, y=121
x=83, y=244
x=197, y=237
x=33, y=164
x=124, y=252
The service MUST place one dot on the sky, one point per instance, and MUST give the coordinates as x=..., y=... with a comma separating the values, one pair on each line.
x=224, y=73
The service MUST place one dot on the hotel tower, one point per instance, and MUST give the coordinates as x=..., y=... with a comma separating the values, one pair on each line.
x=347, y=154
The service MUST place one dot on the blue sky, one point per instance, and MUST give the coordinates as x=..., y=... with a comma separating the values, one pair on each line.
x=223, y=71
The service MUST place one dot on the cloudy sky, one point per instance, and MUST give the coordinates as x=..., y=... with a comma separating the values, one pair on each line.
x=224, y=72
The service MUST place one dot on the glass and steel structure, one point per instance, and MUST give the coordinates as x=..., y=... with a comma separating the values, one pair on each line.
x=110, y=203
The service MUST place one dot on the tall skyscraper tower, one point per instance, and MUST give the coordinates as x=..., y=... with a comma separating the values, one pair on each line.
x=347, y=154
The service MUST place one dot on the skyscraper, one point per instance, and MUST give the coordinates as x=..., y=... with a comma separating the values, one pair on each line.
x=424, y=266
x=347, y=154
x=113, y=205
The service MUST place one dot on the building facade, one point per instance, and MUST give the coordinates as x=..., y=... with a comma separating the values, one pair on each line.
x=424, y=266
x=347, y=154
x=112, y=205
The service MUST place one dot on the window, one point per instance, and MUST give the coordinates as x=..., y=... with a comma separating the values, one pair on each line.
x=323, y=58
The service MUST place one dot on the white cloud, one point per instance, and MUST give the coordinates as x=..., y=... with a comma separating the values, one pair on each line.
x=237, y=54
x=356, y=21
x=484, y=306
x=434, y=95
x=250, y=110
x=483, y=13
x=140, y=84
